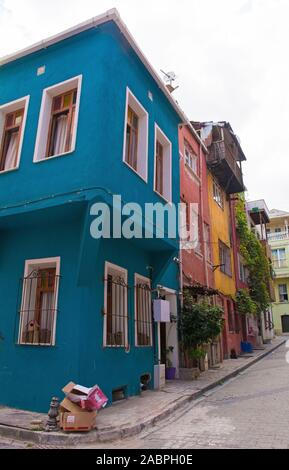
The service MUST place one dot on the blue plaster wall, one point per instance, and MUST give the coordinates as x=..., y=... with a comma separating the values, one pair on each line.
x=29, y=376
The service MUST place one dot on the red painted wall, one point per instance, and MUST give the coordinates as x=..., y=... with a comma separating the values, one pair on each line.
x=194, y=189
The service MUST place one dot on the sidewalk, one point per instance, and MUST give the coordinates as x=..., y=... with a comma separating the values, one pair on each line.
x=135, y=414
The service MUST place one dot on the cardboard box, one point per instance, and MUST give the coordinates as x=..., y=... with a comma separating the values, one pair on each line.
x=78, y=422
x=73, y=418
x=89, y=399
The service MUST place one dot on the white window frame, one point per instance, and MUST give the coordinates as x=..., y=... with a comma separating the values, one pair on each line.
x=167, y=166
x=143, y=132
x=279, y=261
x=218, y=194
x=285, y=292
x=138, y=278
x=29, y=266
x=45, y=116
x=189, y=159
x=110, y=266
x=9, y=108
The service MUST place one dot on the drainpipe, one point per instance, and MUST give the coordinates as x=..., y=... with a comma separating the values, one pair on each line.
x=201, y=217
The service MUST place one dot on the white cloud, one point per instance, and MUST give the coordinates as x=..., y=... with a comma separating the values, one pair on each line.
x=230, y=59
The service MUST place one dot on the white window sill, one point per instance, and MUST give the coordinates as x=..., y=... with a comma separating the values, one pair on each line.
x=45, y=159
x=143, y=346
x=37, y=345
x=135, y=171
x=164, y=198
x=9, y=170
x=193, y=173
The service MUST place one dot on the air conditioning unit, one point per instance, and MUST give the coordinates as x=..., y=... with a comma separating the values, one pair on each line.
x=162, y=311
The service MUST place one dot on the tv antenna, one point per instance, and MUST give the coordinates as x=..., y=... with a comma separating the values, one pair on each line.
x=169, y=78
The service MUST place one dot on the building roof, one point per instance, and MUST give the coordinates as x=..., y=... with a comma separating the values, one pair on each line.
x=109, y=15
x=258, y=209
x=275, y=213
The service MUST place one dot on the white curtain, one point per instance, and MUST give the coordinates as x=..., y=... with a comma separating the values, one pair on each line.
x=60, y=135
x=10, y=160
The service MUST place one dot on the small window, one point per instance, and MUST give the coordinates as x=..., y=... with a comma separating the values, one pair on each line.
x=115, y=308
x=163, y=165
x=283, y=293
x=231, y=318
x=12, y=123
x=39, y=302
x=61, y=123
x=191, y=158
x=143, y=311
x=135, y=153
x=218, y=194
x=58, y=120
x=207, y=241
x=225, y=259
x=279, y=258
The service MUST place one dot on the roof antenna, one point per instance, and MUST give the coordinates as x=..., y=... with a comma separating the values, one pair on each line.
x=169, y=78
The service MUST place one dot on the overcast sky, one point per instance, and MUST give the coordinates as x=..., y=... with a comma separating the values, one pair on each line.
x=230, y=57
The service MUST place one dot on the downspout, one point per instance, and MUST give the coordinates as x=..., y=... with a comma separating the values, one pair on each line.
x=201, y=217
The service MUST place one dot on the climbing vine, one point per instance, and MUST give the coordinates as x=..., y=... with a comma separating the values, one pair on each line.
x=244, y=302
x=200, y=323
x=257, y=263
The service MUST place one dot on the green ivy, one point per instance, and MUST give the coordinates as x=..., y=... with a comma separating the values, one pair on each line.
x=245, y=304
x=255, y=258
x=200, y=323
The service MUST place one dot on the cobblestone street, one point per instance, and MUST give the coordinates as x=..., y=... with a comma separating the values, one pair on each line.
x=251, y=411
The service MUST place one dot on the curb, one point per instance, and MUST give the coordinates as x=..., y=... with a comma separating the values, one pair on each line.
x=58, y=439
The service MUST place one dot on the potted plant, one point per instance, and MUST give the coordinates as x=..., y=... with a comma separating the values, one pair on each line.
x=170, y=370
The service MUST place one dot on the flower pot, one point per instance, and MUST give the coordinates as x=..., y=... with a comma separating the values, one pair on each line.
x=170, y=373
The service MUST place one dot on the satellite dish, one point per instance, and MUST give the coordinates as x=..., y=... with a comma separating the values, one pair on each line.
x=169, y=78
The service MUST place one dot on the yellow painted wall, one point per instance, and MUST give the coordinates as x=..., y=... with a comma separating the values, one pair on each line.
x=220, y=230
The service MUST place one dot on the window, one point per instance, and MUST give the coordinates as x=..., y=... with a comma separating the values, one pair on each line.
x=12, y=124
x=191, y=158
x=243, y=270
x=143, y=311
x=131, y=138
x=218, y=194
x=279, y=258
x=136, y=136
x=39, y=302
x=230, y=317
x=225, y=259
x=61, y=123
x=207, y=237
x=58, y=120
x=115, y=306
x=159, y=168
x=283, y=293
x=163, y=165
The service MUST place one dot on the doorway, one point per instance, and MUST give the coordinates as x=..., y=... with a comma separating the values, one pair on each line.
x=285, y=323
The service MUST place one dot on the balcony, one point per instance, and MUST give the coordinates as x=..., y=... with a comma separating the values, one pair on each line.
x=272, y=237
x=280, y=263
x=222, y=161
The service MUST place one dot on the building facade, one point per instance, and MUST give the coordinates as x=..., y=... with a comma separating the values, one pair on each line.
x=224, y=181
x=278, y=237
x=83, y=117
x=197, y=261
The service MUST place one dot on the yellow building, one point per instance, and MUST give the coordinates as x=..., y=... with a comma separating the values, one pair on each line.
x=278, y=237
x=224, y=180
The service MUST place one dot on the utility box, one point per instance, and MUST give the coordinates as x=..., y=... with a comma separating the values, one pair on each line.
x=159, y=376
x=162, y=311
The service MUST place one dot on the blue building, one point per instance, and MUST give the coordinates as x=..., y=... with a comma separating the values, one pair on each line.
x=83, y=117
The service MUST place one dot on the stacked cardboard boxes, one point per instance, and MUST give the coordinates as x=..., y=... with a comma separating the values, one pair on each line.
x=79, y=409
